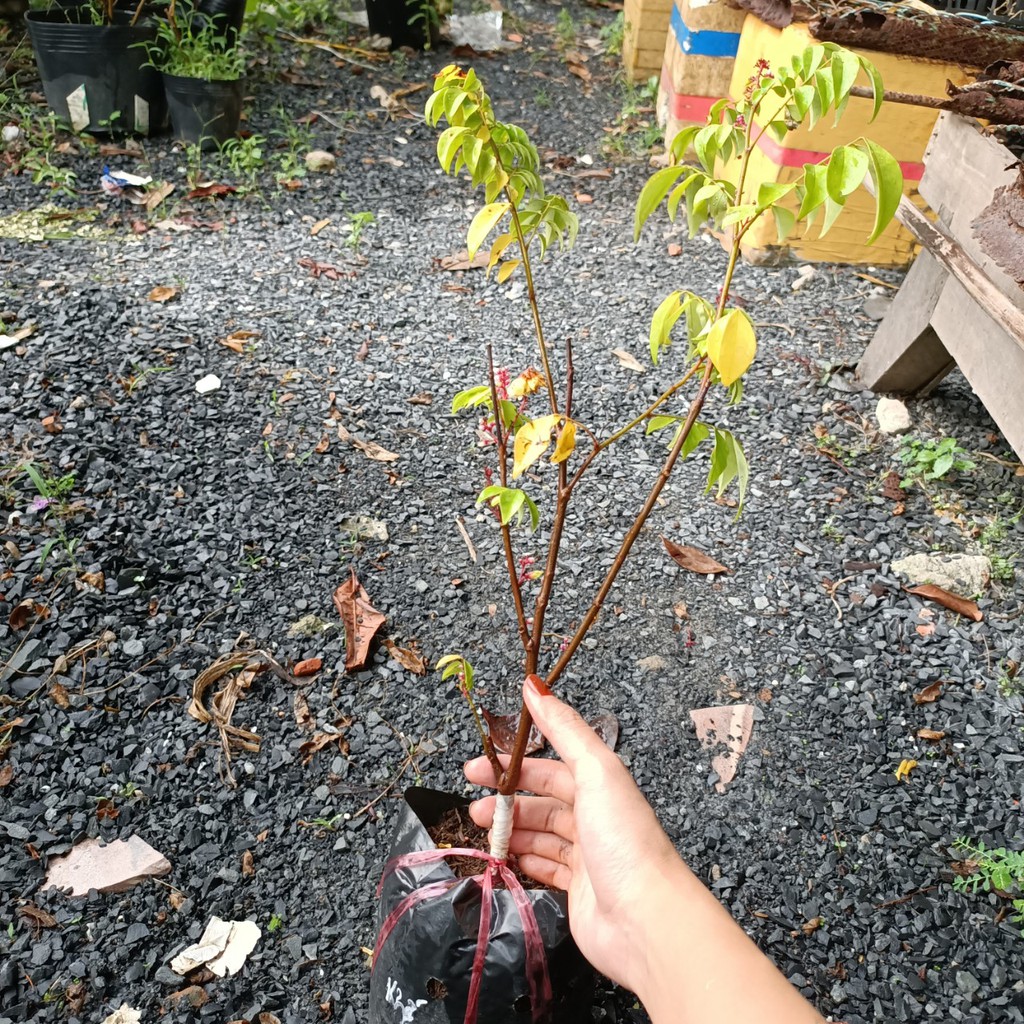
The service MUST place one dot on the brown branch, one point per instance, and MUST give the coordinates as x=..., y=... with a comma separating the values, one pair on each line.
x=909, y=98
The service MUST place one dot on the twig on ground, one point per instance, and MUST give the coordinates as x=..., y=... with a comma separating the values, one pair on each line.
x=465, y=536
x=831, y=591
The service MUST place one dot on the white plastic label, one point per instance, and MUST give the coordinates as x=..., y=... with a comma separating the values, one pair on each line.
x=141, y=115
x=78, y=108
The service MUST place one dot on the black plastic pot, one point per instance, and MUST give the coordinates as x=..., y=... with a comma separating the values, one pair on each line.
x=203, y=111
x=226, y=16
x=405, y=22
x=425, y=965
x=95, y=76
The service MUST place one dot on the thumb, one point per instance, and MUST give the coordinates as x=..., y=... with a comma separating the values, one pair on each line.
x=567, y=732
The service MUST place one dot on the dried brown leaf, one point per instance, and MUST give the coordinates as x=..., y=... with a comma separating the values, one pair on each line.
x=163, y=293
x=319, y=226
x=361, y=619
x=580, y=72
x=421, y=398
x=319, y=740
x=461, y=261
x=157, y=194
x=27, y=611
x=681, y=611
x=176, y=899
x=6, y=774
x=248, y=867
x=59, y=695
x=932, y=735
x=607, y=727
x=370, y=449
x=891, y=487
x=95, y=579
x=693, y=560
x=502, y=730
x=929, y=694
x=303, y=716
x=211, y=191
x=236, y=340
x=406, y=657
x=628, y=360
x=36, y=917
x=810, y=927
x=960, y=605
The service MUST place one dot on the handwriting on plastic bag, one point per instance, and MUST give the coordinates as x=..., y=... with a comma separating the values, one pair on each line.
x=393, y=995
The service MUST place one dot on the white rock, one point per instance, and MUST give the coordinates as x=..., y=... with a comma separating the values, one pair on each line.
x=966, y=575
x=92, y=865
x=892, y=415
x=11, y=133
x=211, y=382
x=124, y=1014
x=652, y=663
x=223, y=948
x=320, y=160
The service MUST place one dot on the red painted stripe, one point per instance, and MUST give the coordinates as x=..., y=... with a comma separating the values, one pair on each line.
x=785, y=157
x=683, y=107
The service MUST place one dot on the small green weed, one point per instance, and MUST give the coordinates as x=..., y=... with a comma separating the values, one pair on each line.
x=357, y=224
x=275, y=924
x=244, y=157
x=931, y=460
x=1010, y=684
x=565, y=30
x=831, y=531
x=140, y=375
x=999, y=870
x=613, y=35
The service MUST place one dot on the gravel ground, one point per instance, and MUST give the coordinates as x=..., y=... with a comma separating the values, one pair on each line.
x=220, y=519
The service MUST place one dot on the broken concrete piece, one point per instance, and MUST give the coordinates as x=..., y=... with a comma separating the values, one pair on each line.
x=892, y=415
x=211, y=382
x=124, y=1014
x=730, y=726
x=966, y=575
x=320, y=160
x=223, y=947
x=113, y=868
x=652, y=663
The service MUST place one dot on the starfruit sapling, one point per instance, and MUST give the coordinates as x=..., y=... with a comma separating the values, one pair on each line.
x=526, y=222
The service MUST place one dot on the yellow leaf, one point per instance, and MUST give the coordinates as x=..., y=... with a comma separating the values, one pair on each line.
x=529, y=381
x=566, y=442
x=501, y=243
x=506, y=270
x=532, y=441
x=482, y=225
x=732, y=345
x=907, y=765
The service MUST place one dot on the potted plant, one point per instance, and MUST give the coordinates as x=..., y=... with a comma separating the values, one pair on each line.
x=463, y=948
x=412, y=23
x=94, y=75
x=202, y=72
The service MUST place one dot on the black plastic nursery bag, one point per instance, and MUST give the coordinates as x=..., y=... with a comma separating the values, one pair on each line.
x=422, y=972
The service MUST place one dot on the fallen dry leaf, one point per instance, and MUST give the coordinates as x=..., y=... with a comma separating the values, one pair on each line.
x=929, y=694
x=52, y=424
x=361, y=619
x=328, y=270
x=926, y=630
x=308, y=667
x=580, y=72
x=628, y=360
x=303, y=716
x=370, y=449
x=960, y=605
x=363, y=352
x=319, y=740
x=59, y=695
x=933, y=735
x=407, y=658
x=607, y=727
x=157, y=194
x=693, y=560
x=248, y=867
x=163, y=293
x=27, y=611
x=322, y=445
x=810, y=927
x=680, y=610
x=461, y=261
x=583, y=198
x=907, y=765
x=176, y=899
x=36, y=917
x=891, y=488
x=502, y=730
x=95, y=579
x=421, y=398
x=235, y=340
x=211, y=191
x=319, y=226
x=6, y=774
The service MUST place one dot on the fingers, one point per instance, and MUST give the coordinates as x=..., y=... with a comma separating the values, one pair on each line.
x=532, y=813
x=540, y=776
x=573, y=740
x=547, y=872
x=541, y=844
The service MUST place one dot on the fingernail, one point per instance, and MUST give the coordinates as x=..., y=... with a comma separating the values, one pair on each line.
x=538, y=686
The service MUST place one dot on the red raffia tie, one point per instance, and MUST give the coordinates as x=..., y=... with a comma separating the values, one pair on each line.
x=536, y=961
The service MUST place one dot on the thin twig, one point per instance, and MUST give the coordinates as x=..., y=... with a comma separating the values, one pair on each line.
x=831, y=591
x=465, y=536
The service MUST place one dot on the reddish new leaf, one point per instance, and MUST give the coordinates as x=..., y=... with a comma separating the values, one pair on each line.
x=929, y=694
x=960, y=605
x=361, y=621
x=607, y=727
x=502, y=730
x=692, y=560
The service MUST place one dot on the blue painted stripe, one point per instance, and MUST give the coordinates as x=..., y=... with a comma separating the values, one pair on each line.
x=705, y=43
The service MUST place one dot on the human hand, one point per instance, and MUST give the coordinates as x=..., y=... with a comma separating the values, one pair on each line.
x=589, y=830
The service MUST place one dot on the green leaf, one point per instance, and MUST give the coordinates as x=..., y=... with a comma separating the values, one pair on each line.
x=728, y=463
x=656, y=423
x=684, y=139
x=37, y=479
x=484, y=222
x=785, y=221
x=510, y=501
x=847, y=167
x=770, y=192
x=653, y=193
x=814, y=189
x=832, y=211
x=698, y=432
x=845, y=68
x=471, y=397
x=803, y=97
x=665, y=316
x=877, y=87
x=887, y=178
x=705, y=145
